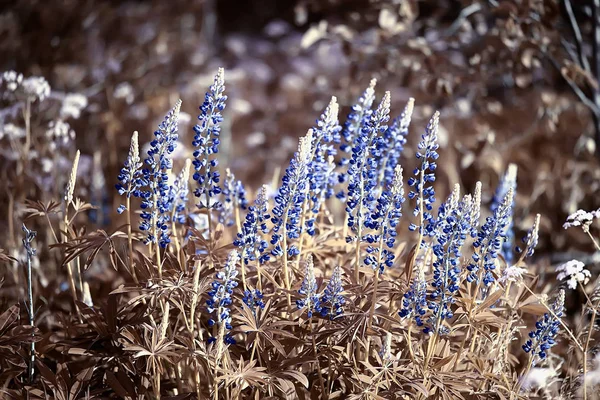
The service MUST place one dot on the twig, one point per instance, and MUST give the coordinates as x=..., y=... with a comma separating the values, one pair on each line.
x=27, y=240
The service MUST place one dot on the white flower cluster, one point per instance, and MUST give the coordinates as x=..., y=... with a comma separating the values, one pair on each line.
x=575, y=272
x=582, y=218
x=32, y=88
x=72, y=105
x=12, y=131
x=514, y=273
x=59, y=133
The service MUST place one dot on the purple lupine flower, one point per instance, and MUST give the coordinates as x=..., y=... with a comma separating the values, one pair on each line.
x=414, y=302
x=291, y=196
x=332, y=300
x=219, y=298
x=253, y=299
x=489, y=240
x=308, y=291
x=424, y=176
x=130, y=180
x=363, y=171
x=322, y=174
x=508, y=181
x=156, y=201
x=395, y=139
x=358, y=117
x=544, y=336
x=234, y=195
x=384, y=220
x=250, y=240
x=206, y=141
x=179, y=194
x=452, y=227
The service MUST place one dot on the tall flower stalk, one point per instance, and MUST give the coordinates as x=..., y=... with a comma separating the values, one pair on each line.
x=156, y=199
x=363, y=174
x=287, y=213
x=384, y=221
x=206, y=141
x=130, y=182
x=30, y=252
x=422, y=184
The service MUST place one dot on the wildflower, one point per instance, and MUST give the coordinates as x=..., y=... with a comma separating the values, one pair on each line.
x=219, y=298
x=489, y=240
x=321, y=170
x=575, y=272
x=384, y=221
x=156, y=201
x=179, y=194
x=290, y=198
x=234, y=195
x=35, y=88
x=386, y=349
x=70, y=189
x=543, y=337
x=308, y=291
x=538, y=378
x=414, y=302
x=59, y=134
x=206, y=141
x=11, y=81
x=359, y=115
x=363, y=171
x=395, y=139
x=129, y=178
x=508, y=181
x=452, y=227
x=476, y=210
x=332, y=300
x=253, y=299
x=514, y=273
x=252, y=245
x=582, y=218
x=424, y=174
x=12, y=131
x=531, y=240
x=72, y=105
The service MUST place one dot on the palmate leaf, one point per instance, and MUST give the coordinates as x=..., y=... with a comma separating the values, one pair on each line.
x=91, y=243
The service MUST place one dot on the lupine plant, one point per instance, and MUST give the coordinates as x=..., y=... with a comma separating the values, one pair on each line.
x=160, y=310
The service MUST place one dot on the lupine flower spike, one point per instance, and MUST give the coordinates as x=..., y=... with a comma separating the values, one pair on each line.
x=129, y=178
x=250, y=240
x=234, y=195
x=394, y=140
x=509, y=180
x=414, y=303
x=488, y=243
x=453, y=226
x=544, y=336
x=206, y=141
x=363, y=173
x=219, y=302
x=289, y=200
x=422, y=183
x=332, y=300
x=156, y=199
x=130, y=183
x=254, y=300
x=309, y=298
x=179, y=194
x=357, y=118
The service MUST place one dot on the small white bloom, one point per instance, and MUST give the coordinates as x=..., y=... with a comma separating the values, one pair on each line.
x=12, y=132
x=575, y=272
x=513, y=273
x=36, y=88
x=581, y=218
x=72, y=105
x=538, y=378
